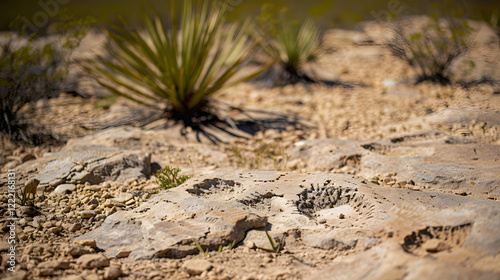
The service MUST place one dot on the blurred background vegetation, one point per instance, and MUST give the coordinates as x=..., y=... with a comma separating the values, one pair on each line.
x=332, y=13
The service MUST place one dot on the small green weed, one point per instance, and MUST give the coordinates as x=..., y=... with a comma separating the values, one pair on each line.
x=275, y=248
x=200, y=248
x=169, y=177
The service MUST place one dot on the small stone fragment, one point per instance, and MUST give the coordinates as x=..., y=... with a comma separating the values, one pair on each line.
x=87, y=242
x=75, y=227
x=92, y=261
x=123, y=253
x=196, y=267
x=27, y=157
x=58, y=264
x=112, y=272
x=434, y=246
x=250, y=244
x=55, y=230
x=76, y=250
x=85, y=214
x=64, y=189
x=341, y=216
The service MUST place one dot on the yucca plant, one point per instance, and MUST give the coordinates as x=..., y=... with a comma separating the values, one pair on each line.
x=291, y=42
x=432, y=50
x=178, y=65
x=297, y=43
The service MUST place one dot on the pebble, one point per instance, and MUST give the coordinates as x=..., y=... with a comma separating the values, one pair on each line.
x=64, y=189
x=112, y=272
x=250, y=244
x=87, y=242
x=58, y=264
x=94, y=188
x=92, y=261
x=124, y=197
x=434, y=246
x=76, y=250
x=123, y=253
x=55, y=230
x=27, y=157
x=85, y=214
x=196, y=267
x=75, y=227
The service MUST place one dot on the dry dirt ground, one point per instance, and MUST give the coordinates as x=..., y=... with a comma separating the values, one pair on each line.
x=374, y=99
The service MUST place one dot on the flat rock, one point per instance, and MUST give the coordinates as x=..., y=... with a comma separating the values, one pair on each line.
x=99, y=163
x=400, y=228
x=431, y=159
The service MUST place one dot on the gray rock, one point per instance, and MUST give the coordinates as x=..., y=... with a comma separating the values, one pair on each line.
x=100, y=163
x=384, y=230
x=431, y=159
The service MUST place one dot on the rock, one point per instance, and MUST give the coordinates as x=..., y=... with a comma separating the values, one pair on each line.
x=395, y=221
x=27, y=157
x=76, y=250
x=431, y=159
x=64, y=189
x=27, y=211
x=250, y=245
x=90, y=261
x=93, y=201
x=85, y=214
x=73, y=277
x=112, y=272
x=100, y=163
x=75, y=227
x=196, y=267
x=123, y=197
x=18, y=275
x=55, y=230
x=123, y=254
x=87, y=242
x=166, y=237
x=58, y=264
x=93, y=188
x=434, y=246
x=92, y=276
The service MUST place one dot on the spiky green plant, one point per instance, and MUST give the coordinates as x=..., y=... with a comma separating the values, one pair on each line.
x=178, y=65
x=432, y=50
x=297, y=42
x=293, y=43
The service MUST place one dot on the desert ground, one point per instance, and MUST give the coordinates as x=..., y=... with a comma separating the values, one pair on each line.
x=369, y=177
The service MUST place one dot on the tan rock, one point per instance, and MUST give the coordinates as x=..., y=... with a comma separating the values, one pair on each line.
x=57, y=264
x=92, y=261
x=112, y=272
x=123, y=253
x=196, y=267
x=87, y=242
